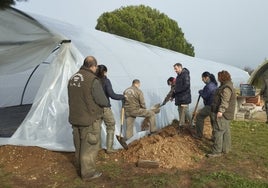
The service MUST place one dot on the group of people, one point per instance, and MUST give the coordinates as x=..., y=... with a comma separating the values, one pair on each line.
x=89, y=93
x=219, y=105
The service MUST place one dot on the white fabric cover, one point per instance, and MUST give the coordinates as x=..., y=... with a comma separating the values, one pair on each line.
x=47, y=125
x=24, y=44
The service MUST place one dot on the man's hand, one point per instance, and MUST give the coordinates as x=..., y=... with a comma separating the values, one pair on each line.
x=219, y=114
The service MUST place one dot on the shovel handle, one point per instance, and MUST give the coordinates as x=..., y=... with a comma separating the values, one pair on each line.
x=122, y=119
x=122, y=115
x=196, y=105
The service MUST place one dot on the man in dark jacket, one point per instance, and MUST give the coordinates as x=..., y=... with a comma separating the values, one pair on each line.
x=223, y=109
x=108, y=116
x=182, y=93
x=86, y=102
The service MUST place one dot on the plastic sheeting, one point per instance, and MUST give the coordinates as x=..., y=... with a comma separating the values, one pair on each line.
x=47, y=125
x=24, y=44
x=20, y=36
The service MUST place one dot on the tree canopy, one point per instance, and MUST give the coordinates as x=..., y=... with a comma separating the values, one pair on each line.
x=142, y=23
x=7, y=3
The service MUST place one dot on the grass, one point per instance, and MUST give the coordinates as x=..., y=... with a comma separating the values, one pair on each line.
x=250, y=142
x=5, y=178
x=155, y=181
x=112, y=169
x=245, y=166
x=226, y=179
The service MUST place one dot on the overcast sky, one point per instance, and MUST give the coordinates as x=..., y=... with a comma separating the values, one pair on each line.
x=227, y=31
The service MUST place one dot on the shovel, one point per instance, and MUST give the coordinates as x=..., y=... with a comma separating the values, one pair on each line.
x=121, y=139
x=195, y=109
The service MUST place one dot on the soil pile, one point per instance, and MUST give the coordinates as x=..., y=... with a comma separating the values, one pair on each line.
x=170, y=148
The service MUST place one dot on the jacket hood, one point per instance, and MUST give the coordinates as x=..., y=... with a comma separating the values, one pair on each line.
x=185, y=71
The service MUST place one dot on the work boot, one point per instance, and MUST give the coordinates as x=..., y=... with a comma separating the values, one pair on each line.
x=94, y=176
x=197, y=137
x=110, y=143
x=180, y=129
x=153, y=133
x=212, y=155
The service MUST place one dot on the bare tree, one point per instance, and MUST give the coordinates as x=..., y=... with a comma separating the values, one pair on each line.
x=249, y=70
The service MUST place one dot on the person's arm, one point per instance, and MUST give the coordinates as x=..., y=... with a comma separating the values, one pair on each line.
x=225, y=99
x=141, y=99
x=169, y=96
x=205, y=92
x=110, y=91
x=98, y=94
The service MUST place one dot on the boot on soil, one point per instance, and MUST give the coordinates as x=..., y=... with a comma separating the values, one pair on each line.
x=110, y=143
x=154, y=132
x=180, y=129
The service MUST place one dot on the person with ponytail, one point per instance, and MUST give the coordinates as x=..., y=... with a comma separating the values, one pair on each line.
x=207, y=95
x=108, y=116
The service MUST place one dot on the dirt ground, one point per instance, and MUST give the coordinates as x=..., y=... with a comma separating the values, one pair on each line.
x=34, y=166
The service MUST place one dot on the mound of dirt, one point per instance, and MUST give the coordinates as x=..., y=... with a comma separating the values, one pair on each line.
x=168, y=147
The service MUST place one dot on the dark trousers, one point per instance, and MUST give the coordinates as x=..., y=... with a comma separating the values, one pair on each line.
x=222, y=142
x=87, y=144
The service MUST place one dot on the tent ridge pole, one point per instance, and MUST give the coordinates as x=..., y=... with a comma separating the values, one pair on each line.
x=24, y=89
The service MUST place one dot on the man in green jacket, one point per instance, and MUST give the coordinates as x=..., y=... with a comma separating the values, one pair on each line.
x=86, y=102
x=135, y=107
